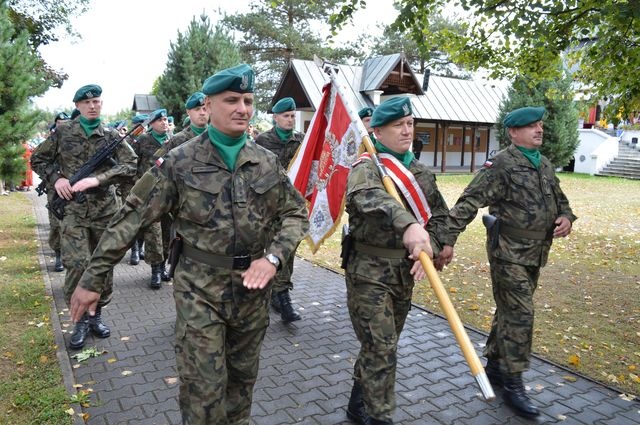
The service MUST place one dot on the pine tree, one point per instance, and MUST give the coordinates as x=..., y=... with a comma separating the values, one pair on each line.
x=18, y=81
x=560, y=123
x=196, y=55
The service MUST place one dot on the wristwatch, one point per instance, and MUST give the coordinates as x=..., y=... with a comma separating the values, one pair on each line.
x=273, y=260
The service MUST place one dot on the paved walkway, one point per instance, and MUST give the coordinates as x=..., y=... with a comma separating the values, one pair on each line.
x=305, y=369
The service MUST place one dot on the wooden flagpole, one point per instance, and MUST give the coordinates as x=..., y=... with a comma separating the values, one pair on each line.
x=436, y=284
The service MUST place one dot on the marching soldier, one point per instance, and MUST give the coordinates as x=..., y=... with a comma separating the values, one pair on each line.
x=124, y=188
x=225, y=194
x=365, y=116
x=156, y=236
x=59, y=157
x=198, y=118
x=284, y=141
x=382, y=263
x=527, y=210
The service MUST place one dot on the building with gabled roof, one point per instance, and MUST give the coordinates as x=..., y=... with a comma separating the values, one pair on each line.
x=144, y=103
x=454, y=118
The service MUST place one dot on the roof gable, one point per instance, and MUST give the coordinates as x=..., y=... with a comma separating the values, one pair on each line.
x=391, y=74
x=145, y=102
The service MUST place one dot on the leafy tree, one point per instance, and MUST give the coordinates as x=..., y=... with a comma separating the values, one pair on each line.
x=42, y=20
x=421, y=56
x=19, y=79
x=560, y=129
x=601, y=38
x=275, y=31
x=196, y=55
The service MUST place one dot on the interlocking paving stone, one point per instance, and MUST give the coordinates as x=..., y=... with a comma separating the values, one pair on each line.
x=306, y=367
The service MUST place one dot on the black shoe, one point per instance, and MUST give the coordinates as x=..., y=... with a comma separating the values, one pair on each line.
x=356, y=411
x=287, y=313
x=96, y=325
x=492, y=369
x=79, y=335
x=516, y=397
x=156, y=276
x=134, y=260
x=373, y=421
x=275, y=302
x=58, y=266
x=164, y=274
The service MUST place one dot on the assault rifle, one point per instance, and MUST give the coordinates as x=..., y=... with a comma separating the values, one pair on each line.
x=57, y=204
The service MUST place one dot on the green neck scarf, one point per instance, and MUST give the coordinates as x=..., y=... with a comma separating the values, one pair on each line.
x=197, y=130
x=405, y=158
x=228, y=147
x=284, y=135
x=161, y=138
x=533, y=155
x=89, y=125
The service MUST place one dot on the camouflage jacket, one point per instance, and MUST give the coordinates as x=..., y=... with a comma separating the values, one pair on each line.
x=252, y=209
x=521, y=196
x=68, y=148
x=377, y=219
x=183, y=136
x=146, y=147
x=285, y=151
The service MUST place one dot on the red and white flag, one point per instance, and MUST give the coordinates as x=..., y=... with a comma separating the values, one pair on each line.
x=321, y=166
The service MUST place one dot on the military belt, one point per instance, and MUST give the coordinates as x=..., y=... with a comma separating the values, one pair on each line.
x=379, y=251
x=538, y=235
x=237, y=262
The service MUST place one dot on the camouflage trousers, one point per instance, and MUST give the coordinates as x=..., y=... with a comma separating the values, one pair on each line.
x=54, y=233
x=152, y=236
x=378, y=310
x=79, y=237
x=217, y=354
x=282, y=281
x=511, y=333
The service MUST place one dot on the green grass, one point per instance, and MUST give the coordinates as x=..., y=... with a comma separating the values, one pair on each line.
x=31, y=389
x=588, y=297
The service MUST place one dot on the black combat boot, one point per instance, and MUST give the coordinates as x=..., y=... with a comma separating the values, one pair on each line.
x=355, y=409
x=96, y=325
x=80, y=332
x=156, y=276
x=492, y=369
x=516, y=397
x=287, y=313
x=164, y=274
x=275, y=302
x=58, y=264
x=134, y=260
x=141, y=248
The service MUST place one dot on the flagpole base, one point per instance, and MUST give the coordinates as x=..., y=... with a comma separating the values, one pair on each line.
x=485, y=386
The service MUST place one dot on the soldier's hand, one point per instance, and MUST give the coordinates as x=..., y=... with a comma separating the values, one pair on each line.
x=563, y=227
x=84, y=184
x=259, y=273
x=63, y=188
x=416, y=239
x=83, y=300
x=417, y=271
x=444, y=258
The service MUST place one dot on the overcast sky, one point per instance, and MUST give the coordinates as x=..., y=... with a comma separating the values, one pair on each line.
x=125, y=44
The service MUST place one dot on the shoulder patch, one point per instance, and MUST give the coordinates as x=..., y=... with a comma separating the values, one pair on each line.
x=487, y=164
x=159, y=162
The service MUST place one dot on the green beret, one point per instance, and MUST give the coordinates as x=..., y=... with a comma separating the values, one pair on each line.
x=75, y=113
x=523, y=116
x=87, y=92
x=157, y=114
x=170, y=119
x=186, y=121
x=195, y=100
x=391, y=110
x=139, y=119
x=238, y=79
x=285, y=104
x=365, y=112
x=61, y=116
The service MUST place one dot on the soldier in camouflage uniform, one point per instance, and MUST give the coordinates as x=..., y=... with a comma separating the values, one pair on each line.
x=239, y=218
x=57, y=159
x=157, y=235
x=54, y=223
x=284, y=141
x=382, y=265
x=198, y=118
x=521, y=190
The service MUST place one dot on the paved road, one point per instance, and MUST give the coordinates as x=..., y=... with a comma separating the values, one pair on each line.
x=305, y=368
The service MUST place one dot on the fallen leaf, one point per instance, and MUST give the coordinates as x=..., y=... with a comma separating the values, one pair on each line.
x=171, y=381
x=574, y=360
x=112, y=360
x=124, y=338
x=78, y=385
x=126, y=372
x=569, y=378
x=84, y=416
x=561, y=417
x=70, y=411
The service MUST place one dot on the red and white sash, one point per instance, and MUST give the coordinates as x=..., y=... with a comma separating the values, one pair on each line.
x=407, y=184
